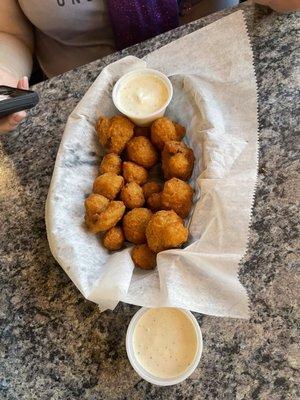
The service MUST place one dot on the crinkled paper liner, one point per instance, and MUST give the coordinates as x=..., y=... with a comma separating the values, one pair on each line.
x=215, y=98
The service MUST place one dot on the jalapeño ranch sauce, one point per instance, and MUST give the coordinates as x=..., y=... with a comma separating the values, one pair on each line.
x=142, y=94
x=165, y=342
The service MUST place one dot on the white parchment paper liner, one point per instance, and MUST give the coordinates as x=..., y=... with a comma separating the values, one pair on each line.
x=215, y=98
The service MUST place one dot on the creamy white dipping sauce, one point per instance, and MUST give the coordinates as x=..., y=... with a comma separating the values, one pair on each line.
x=165, y=342
x=142, y=94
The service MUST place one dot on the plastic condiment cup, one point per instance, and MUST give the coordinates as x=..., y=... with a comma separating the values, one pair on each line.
x=147, y=375
x=146, y=119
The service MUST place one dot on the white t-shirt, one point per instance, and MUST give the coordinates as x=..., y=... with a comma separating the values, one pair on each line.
x=68, y=33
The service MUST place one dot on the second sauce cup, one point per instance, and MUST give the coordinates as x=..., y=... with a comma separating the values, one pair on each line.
x=164, y=345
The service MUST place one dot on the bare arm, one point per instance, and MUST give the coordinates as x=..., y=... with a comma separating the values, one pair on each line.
x=16, y=48
x=16, y=39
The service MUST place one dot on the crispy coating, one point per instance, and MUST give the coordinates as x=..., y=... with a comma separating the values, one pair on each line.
x=143, y=257
x=102, y=128
x=151, y=233
x=180, y=131
x=177, y=160
x=163, y=130
x=165, y=230
x=142, y=131
x=111, y=163
x=154, y=201
x=177, y=195
x=134, y=173
x=95, y=204
x=141, y=151
x=132, y=195
x=91, y=222
x=135, y=223
x=114, y=238
x=114, y=133
x=150, y=188
x=107, y=218
x=108, y=184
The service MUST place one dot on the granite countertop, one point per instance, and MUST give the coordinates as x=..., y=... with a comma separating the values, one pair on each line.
x=56, y=345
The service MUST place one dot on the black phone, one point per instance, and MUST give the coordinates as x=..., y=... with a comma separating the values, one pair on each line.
x=13, y=100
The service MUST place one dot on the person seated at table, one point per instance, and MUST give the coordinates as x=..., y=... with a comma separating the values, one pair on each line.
x=63, y=34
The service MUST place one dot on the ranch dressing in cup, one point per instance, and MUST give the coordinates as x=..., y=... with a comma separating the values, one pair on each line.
x=143, y=95
x=164, y=345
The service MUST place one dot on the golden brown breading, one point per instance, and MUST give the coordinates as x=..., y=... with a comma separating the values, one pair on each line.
x=177, y=195
x=107, y=218
x=132, y=195
x=111, y=163
x=95, y=204
x=163, y=130
x=180, y=131
x=150, y=188
x=114, y=133
x=108, y=184
x=141, y=151
x=135, y=223
x=154, y=201
x=165, y=230
x=133, y=172
x=114, y=238
x=102, y=128
x=177, y=160
x=142, y=131
x=151, y=233
x=143, y=257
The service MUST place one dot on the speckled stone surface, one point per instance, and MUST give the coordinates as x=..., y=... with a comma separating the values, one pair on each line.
x=56, y=345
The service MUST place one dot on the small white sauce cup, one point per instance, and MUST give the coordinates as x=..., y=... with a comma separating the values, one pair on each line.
x=147, y=119
x=155, y=380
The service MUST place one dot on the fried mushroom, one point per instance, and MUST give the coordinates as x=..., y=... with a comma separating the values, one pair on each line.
x=154, y=201
x=107, y=218
x=114, y=133
x=94, y=205
x=163, y=130
x=177, y=160
x=135, y=223
x=111, y=162
x=141, y=151
x=143, y=257
x=108, y=184
x=113, y=239
x=150, y=188
x=177, y=195
x=132, y=195
x=165, y=230
x=133, y=172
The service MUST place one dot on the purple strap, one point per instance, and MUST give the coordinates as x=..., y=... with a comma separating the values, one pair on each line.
x=136, y=20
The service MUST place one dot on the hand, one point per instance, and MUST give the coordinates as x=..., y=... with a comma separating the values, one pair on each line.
x=10, y=122
x=281, y=5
